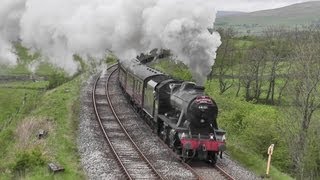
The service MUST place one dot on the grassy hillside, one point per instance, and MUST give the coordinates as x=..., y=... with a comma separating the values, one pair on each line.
x=51, y=103
x=291, y=16
x=25, y=156
x=221, y=14
x=27, y=106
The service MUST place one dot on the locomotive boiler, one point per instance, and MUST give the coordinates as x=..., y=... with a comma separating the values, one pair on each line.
x=199, y=110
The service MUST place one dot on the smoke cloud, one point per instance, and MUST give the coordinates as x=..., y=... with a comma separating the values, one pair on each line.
x=59, y=29
x=10, y=14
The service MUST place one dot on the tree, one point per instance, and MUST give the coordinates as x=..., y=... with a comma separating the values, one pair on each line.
x=304, y=92
x=225, y=59
x=278, y=49
x=253, y=70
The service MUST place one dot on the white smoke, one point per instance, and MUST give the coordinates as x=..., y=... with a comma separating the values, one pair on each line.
x=34, y=65
x=7, y=56
x=182, y=27
x=59, y=29
x=10, y=14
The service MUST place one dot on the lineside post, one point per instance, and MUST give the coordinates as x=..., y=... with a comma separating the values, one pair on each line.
x=270, y=151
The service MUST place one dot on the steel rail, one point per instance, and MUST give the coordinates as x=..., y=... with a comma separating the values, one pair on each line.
x=114, y=152
x=224, y=173
x=127, y=134
x=117, y=156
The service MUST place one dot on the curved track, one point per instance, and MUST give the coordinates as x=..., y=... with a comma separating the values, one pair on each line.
x=133, y=163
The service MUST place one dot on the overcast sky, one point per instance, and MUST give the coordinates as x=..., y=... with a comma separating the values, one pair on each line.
x=254, y=5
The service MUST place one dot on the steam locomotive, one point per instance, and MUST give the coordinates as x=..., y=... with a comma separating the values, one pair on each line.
x=178, y=111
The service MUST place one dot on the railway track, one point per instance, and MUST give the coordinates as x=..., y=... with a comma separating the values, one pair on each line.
x=224, y=173
x=132, y=162
x=209, y=172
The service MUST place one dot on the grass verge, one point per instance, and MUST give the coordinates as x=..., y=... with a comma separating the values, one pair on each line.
x=23, y=155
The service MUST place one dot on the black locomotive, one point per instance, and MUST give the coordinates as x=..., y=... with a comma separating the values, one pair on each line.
x=179, y=111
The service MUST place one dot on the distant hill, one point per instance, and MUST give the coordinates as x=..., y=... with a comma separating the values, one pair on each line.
x=228, y=13
x=290, y=16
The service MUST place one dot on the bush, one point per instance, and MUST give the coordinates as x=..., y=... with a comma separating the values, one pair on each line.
x=176, y=69
x=56, y=80
x=111, y=59
x=28, y=160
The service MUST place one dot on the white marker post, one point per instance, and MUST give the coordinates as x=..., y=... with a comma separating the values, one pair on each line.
x=270, y=151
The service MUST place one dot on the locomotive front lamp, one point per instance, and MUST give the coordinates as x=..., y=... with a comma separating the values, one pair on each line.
x=183, y=135
x=211, y=136
x=203, y=107
x=223, y=138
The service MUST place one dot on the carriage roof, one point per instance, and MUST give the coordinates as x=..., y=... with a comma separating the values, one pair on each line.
x=140, y=70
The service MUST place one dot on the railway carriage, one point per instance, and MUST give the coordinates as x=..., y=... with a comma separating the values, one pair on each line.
x=180, y=112
x=138, y=82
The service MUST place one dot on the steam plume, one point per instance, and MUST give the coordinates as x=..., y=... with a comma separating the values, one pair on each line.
x=10, y=14
x=59, y=29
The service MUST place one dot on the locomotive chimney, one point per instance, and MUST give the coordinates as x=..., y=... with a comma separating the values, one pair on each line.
x=173, y=87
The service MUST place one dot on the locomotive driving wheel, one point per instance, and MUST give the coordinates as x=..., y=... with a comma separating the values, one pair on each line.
x=212, y=158
x=187, y=154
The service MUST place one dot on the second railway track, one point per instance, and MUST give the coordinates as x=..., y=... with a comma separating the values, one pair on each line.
x=132, y=162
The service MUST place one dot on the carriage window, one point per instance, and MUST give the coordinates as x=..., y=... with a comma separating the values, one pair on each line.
x=137, y=86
